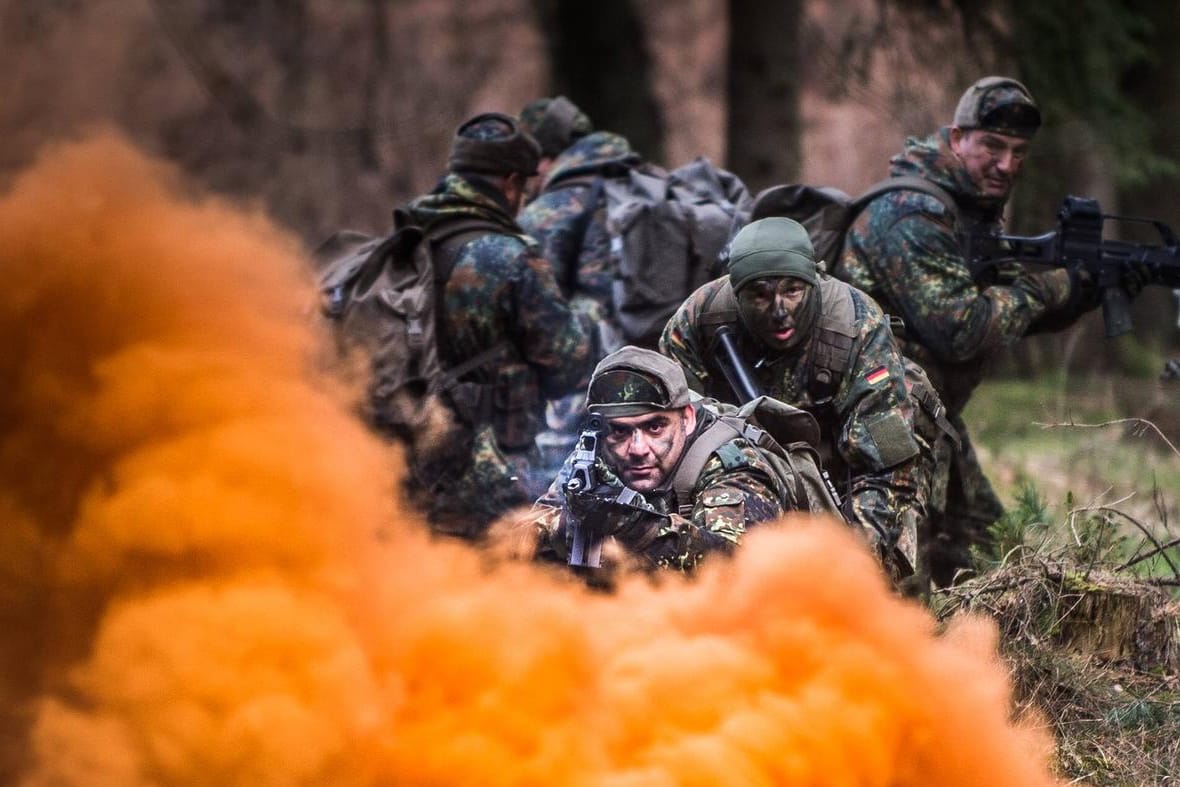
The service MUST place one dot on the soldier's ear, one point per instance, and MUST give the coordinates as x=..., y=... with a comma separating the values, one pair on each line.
x=957, y=136
x=690, y=418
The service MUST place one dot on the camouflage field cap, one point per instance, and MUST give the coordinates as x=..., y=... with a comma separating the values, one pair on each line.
x=494, y=143
x=774, y=246
x=555, y=123
x=1001, y=105
x=635, y=381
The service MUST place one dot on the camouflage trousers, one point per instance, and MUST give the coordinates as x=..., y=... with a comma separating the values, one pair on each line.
x=965, y=516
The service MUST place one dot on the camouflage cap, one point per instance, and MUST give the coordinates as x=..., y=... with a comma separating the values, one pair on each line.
x=555, y=123
x=494, y=143
x=1001, y=105
x=635, y=381
x=774, y=246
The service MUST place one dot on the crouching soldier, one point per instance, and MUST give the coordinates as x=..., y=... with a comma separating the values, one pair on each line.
x=820, y=345
x=668, y=476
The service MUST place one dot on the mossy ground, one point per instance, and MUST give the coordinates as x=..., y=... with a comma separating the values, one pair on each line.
x=1090, y=472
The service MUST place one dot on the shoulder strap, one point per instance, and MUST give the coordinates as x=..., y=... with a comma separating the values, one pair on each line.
x=447, y=237
x=720, y=309
x=834, y=338
x=904, y=183
x=715, y=435
x=581, y=226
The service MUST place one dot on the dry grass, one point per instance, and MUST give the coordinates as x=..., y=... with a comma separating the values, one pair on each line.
x=1094, y=651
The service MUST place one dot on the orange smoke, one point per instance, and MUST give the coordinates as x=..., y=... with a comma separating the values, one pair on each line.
x=206, y=580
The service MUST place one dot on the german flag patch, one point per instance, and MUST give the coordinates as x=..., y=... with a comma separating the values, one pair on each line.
x=877, y=375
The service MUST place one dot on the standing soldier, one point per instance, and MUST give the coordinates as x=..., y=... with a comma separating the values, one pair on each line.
x=498, y=303
x=818, y=344
x=568, y=219
x=906, y=252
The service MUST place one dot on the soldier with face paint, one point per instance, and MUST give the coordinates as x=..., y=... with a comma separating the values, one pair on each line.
x=823, y=346
x=652, y=425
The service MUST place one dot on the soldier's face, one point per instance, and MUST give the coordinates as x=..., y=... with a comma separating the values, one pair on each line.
x=643, y=449
x=769, y=309
x=992, y=160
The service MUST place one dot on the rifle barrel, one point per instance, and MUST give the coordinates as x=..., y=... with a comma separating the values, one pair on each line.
x=733, y=366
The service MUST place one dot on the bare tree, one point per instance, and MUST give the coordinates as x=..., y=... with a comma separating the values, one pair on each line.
x=764, y=128
x=599, y=59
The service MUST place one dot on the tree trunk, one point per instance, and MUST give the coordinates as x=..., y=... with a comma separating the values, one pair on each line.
x=599, y=59
x=764, y=126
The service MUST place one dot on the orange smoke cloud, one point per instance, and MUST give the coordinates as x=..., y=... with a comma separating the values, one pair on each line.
x=206, y=578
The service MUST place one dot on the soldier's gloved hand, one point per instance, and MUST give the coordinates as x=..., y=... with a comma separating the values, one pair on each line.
x=1084, y=294
x=1135, y=277
x=633, y=520
x=590, y=505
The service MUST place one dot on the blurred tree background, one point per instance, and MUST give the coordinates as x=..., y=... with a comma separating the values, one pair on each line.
x=330, y=112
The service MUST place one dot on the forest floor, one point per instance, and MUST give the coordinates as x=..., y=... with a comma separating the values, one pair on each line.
x=1084, y=577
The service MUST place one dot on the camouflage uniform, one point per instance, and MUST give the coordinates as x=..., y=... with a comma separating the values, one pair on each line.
x=575, y=241
x=905, y=253
x=500, y=292
x=867, y=422
x=730, y=495
x=735, y=488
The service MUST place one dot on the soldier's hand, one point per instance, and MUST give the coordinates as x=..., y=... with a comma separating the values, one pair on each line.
x=589, y=505
x=1084, y=294
x=633, y=519
x=1135, y=277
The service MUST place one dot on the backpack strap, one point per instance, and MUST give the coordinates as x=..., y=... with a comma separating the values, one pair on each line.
x=905, y=183
x=582, y=226
x=707, y=443
x=471, y=400
x=448, y=237
x=720, y=309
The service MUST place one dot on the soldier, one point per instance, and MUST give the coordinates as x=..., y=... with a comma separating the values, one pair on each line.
x=568, y=219
x=556, y=123
x=905, y=251
x=500, y=305
x=816, y=343
x=700, y=482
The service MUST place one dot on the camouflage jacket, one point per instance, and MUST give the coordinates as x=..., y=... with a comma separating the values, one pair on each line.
x=866, y=418
x=736, y=489
x=905, y=253
x=575, y=242
x=501, y=292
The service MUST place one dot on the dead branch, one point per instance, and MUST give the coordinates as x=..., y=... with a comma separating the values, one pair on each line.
x=1142, y=423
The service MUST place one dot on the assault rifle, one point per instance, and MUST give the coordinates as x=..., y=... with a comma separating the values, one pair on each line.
x=585, y=549
x=1078, y=243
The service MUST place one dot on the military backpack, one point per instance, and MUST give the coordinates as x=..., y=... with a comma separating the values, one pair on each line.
x=667, y=230
x=381, y=296
x=785, y=436
x=828, y=213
